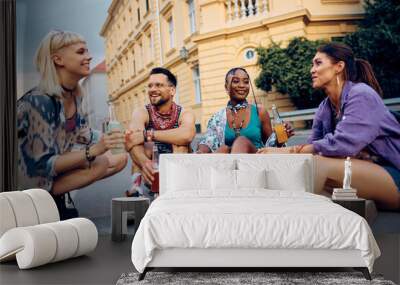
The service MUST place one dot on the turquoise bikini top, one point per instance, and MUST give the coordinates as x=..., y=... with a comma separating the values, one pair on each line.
x=252, y=131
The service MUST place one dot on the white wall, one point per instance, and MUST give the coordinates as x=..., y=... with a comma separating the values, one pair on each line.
x=95, y=86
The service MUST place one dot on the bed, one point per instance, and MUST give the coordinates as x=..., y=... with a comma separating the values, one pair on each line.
x=247, y=211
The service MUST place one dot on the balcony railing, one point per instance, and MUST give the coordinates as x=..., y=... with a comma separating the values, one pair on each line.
x=242, y=9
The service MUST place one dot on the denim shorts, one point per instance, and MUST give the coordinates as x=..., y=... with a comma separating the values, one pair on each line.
x=394, y=173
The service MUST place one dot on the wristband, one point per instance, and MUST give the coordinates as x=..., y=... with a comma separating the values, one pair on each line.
x=144, y=136
x=89, y=157
x=149, y=135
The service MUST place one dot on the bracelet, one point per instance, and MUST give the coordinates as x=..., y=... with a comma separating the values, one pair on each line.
x=148, y=135
x=89, y=157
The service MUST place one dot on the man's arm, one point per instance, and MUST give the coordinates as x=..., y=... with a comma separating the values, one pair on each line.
x=134, y=139
x=138, y=123
x=183, y=135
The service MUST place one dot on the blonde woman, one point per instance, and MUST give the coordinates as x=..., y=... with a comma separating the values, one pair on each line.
x=51, y=121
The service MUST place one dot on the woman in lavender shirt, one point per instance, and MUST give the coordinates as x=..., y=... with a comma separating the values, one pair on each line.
x=352, y=121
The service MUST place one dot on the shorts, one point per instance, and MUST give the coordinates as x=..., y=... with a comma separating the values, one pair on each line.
x=394, y=173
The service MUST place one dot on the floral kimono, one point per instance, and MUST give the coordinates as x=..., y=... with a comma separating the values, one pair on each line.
x=215, y=135
x=42, y=137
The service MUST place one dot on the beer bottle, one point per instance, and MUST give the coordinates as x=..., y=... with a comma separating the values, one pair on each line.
x=278, y=126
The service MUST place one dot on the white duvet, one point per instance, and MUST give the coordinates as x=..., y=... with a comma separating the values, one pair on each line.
x=251, y=218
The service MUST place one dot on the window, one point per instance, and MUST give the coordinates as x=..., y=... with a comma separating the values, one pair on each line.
x=192, y=16
x=138, y=15
x=151, y=46
x=134, y=64
x=142, y=59
x=337, y=39
x=171, y=32
x=196, y=81
x=249, y=54
x=198, y=128
x=126, y=69
x=147, y=6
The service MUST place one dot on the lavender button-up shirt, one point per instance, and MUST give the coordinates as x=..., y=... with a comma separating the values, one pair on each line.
x=365, y=123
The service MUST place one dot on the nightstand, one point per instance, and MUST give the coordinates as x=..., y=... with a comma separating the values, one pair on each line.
x=119, y=214
x=355, y=205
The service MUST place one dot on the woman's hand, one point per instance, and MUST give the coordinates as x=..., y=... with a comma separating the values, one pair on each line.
x=266, y=150
x=133, y=138
x=115, y=139
x=289, y=129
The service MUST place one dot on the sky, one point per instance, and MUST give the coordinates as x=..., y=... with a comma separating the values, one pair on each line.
x=35, y=18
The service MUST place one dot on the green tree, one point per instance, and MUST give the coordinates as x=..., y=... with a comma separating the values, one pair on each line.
x=378, y=41
x=288, y=69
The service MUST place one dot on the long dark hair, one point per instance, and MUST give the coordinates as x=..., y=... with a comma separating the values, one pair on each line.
x=356, y=69
x=232, y=72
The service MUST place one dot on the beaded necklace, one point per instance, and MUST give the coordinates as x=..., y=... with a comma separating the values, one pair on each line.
x=234, y=111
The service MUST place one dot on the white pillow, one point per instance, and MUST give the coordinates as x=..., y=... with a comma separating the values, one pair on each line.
x=194, y=173
x=291, y=178
x=223, y=179
x=251, y=178
x=237, y=179
x=183, y=177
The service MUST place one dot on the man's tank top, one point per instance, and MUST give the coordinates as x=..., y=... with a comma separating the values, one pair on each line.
x=162, y=147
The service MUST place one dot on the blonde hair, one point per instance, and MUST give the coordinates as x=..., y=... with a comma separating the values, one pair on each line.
x=51, y=43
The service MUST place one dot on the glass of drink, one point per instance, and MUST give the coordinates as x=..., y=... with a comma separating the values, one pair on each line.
x=279, y=127
x=115, y=126
x=280, y=132
x=155, y=185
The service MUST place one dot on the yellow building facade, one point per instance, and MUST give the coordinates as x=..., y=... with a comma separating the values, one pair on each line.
x=200, y=40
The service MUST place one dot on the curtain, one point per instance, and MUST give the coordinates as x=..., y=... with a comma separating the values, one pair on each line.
x=8, y=97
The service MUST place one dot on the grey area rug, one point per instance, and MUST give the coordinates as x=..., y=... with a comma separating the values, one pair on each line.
x=243, y=278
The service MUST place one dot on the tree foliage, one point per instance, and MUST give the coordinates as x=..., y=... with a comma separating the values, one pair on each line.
x=376, y=40
x=288, y=70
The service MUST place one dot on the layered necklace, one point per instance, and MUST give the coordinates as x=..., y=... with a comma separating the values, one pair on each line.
x=234, y=111
x=164, y=121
